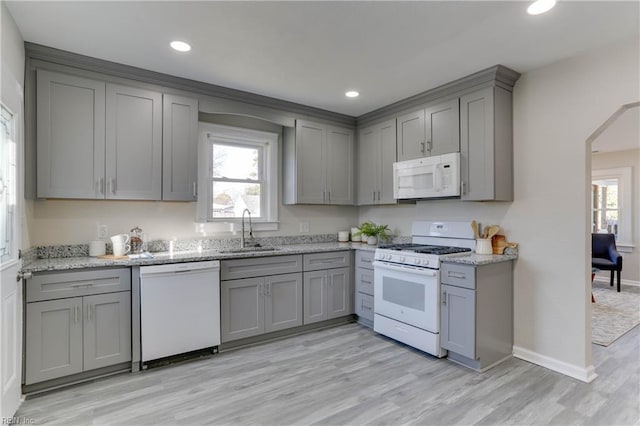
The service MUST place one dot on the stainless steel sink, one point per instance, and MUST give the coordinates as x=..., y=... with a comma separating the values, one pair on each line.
x=249, y=249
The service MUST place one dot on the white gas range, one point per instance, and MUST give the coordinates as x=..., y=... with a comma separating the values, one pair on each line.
x=407, y=283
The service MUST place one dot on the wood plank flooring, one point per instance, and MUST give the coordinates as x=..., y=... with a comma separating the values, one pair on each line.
x=351, y=375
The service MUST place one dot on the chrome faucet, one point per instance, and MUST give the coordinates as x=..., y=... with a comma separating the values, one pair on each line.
x=242, y=242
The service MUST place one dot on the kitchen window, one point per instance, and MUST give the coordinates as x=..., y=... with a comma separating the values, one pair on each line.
x=240, y=172
x=611, y=203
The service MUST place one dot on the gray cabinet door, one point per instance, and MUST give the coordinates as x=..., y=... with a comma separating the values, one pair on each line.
x=339, y=293
x=364, y=306
x=386, y=160
x=442, y=123
x=458, y=320
x=107, y=329
x=310, y=163
x=368, y=152
x=283, y=301
x=314, y=293
x=241, y=308
x=70, y=136
x=476, y=145
x=179, y=148
x=339, y=165
x=53, y=333
x=411, y=136
x=133, y=143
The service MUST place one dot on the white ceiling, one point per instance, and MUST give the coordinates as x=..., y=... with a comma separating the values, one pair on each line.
x=312, y=52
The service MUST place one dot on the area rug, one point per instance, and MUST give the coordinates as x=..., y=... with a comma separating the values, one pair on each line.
x=613, y=314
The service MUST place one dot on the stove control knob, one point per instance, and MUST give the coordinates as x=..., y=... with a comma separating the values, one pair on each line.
x=426, y=262
x=417, y=261
x=403, y=259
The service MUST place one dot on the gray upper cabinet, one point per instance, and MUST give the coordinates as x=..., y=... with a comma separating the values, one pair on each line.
x=376, y=155
x=97, y=140
x=179, y=148
x=134, y=143
x=431, y=131
x=486, y=145
x=319, y=164
x=410, y=140
x=70, y=136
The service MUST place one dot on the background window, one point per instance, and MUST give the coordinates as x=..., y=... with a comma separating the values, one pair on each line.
x=8, y=199
x=605, y=206
x=611, y=201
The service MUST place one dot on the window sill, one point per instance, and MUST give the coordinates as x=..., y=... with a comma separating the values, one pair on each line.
x=625, y=247
x=233, y=227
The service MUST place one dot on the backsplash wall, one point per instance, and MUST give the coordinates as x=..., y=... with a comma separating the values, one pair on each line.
x=51, y=222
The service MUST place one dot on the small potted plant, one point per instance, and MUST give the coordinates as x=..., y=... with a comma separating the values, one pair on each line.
x=373, y=232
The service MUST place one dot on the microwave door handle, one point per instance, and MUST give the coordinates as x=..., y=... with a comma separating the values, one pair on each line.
x=437, y=178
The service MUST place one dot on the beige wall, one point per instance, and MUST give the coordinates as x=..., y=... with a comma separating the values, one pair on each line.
x=556, y=108
x=630, y=158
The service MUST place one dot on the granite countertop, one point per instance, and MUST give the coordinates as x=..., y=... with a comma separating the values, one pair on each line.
x=66, y=263
x=481, y=259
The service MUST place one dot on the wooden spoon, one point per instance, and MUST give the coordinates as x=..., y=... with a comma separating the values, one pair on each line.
x=492, y=230
x=474, y=226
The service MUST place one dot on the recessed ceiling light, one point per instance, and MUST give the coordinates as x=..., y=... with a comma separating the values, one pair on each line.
x=180, y=46
x=352, y=94
x=540, y=6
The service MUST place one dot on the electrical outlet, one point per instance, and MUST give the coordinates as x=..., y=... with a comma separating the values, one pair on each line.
x=103, y=231
x=304, y=226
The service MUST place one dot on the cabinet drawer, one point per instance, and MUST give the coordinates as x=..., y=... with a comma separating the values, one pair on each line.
x=319, y=261
x=364, y=306
x=260, y=266
x=364, y=259
x=58, y=285
x=458, y=275
x=364, y=281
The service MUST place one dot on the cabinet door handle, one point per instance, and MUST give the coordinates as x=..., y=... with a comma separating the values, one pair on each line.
x=112, y=185
x=101, y=186
x=422, y=144
x=260, y=290
x=329, y=195
x=462, y=187
x=89, y=313
x=374, y=195
x=429, y=146
x=453, y=274
x=324, y=196
x=444, y=298
x=378, y=195
x=195, y=189
x=75, y=313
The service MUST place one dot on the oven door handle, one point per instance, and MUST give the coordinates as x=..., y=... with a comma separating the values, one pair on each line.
x=408, y=269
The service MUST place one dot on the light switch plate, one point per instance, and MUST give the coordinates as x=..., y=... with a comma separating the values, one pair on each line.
x=304, y=226
x=103, y=231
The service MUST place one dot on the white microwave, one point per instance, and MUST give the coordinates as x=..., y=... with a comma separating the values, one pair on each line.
x=429, y=177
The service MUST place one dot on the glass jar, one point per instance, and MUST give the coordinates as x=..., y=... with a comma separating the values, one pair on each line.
x=136, y=239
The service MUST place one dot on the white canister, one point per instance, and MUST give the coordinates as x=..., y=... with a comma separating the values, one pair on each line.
x=354, y=237
x=343, y=236
x=97, y=248
x=483, y=246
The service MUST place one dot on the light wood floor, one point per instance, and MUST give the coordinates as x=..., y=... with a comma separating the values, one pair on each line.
x=350, y=375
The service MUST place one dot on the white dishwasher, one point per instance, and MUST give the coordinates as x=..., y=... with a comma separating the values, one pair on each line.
x=179, y=308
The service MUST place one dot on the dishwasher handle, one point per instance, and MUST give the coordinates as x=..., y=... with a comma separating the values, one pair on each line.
x=172, y=268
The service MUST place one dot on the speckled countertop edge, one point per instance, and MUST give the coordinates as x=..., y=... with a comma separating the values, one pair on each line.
x=81, y=262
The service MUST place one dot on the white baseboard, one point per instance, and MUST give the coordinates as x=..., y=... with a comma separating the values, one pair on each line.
x=606, y=279
x=584, y=374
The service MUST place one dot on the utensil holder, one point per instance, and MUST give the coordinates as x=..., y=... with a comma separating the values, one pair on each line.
x=483, y=246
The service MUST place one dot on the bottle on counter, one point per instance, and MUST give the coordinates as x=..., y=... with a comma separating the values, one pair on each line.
x=136, y=240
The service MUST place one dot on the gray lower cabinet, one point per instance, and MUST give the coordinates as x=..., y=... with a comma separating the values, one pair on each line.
x=75, y=324
x=476, y=315
x=258, y=305
x=260, y=295
x=486, y=145
x=327, y=294
x=364, y=287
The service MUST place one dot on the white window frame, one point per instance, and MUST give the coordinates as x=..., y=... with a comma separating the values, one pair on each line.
x=8, y=186
x=268, y=142
x=625, y=241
